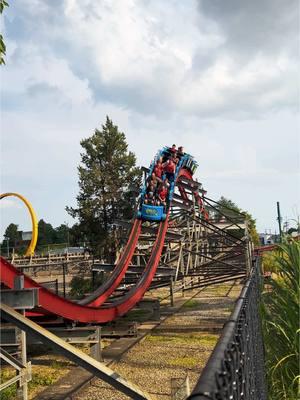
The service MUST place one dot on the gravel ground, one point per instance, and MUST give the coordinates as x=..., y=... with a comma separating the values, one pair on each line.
x=180, y=346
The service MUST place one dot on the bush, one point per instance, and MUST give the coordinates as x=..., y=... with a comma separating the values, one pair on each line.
x=269, y=261
x=280, y=323
x=80, y=286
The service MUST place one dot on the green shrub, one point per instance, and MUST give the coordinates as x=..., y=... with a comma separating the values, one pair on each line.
x=9, y=393
x=269, y=261
x=80, y=286
x=281, y=324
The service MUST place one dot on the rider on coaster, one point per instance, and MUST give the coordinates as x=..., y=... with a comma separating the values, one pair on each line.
x=158, y=170
x=169, y=168
x=162, y=194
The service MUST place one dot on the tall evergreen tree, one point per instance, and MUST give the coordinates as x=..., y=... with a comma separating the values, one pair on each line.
x=106, y=175
x=12, y=235
x=62, y=234
x=46, y=233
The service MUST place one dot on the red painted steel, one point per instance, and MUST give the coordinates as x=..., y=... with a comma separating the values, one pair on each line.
x=83, y=313
x=76, y=312
x=101, y=294
x=262, y=249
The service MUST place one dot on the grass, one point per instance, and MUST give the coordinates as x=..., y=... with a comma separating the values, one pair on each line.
x=10, y=392
x=187, y=339
x=280, y=314
x=186, y=362
x=136, y=315
x=42, y=376
x=191, y=304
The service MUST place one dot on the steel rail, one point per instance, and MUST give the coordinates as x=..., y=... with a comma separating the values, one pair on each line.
x=83, y=313
x=99, y=296
x=224, y=215
x=62, y=347
x=214, y=228
x=213, y=260
x=228, y=208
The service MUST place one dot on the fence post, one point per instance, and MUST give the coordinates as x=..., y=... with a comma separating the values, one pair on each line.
x=172, y=291
x=64, y=279
x=180, y=389
x=96, y=349
x=22, y=388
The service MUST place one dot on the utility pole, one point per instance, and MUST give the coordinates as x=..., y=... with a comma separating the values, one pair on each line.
x=68, y=234
x=279, y=220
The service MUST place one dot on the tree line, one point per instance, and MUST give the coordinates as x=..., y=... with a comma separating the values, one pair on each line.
x=47, y=235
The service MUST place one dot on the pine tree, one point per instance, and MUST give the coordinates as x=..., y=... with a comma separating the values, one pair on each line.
x=46, y=233
x=106, y=175
x=62, y=234
x=12, y=235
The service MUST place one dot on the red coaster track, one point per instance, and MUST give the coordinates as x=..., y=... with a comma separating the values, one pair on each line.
x=88, y=310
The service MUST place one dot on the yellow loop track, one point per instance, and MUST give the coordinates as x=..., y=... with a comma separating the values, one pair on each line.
x=31, y=247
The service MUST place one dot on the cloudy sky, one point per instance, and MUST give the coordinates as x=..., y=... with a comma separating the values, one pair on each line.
x=219, y=77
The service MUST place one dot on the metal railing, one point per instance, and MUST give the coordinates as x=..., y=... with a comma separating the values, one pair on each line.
x=53, y=285
x=235, y=369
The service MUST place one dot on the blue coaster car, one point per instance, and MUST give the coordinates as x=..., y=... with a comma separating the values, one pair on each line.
x=152, y=213
x=157, y=213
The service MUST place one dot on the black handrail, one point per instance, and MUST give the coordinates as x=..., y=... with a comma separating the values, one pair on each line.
x=235, y=369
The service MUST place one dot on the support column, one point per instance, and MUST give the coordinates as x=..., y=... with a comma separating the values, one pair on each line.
x=22, y=388
x=96, y=350
x=172, y=292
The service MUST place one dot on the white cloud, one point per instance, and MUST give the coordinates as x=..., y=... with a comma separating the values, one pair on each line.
x=45, y=72
x=9, y=203
x=164, y=72
x=151, y=51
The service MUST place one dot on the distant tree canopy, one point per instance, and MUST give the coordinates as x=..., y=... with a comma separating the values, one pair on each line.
x=12, y=235
x=49, y=235
x=46, y=233
x=107, y=175
x=229, y=209
x=62, y=234
x=3, y=4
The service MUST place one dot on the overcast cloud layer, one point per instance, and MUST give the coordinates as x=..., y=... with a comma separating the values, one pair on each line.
x=219, y=77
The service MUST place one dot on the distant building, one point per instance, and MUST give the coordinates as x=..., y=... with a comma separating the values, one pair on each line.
x=70, y=250
x=268, y=238
x=26, y=236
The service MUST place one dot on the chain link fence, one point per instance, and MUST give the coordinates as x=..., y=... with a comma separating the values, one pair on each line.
x=236, y=369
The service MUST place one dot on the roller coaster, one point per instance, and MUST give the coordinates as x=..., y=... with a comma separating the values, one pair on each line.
x=197, y=248
x=182, y=239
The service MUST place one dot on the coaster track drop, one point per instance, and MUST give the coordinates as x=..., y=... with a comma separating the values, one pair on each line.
x=99, y=307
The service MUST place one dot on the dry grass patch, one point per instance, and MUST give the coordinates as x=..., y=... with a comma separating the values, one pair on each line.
x=197, y=339
x=42, y=377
